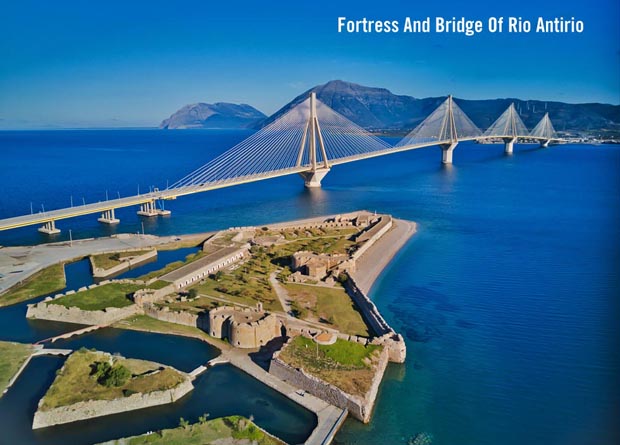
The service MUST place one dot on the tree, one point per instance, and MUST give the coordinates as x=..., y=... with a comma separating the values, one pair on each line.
x=193, y=293
x=117, y=376
x=203, y=418
x=218, y=275
x=183, y=423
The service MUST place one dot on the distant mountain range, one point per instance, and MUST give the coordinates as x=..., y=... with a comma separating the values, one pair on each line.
x=379, y=110
x=217, y=115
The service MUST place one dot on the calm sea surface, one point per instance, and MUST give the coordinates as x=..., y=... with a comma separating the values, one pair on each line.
x=507, y=296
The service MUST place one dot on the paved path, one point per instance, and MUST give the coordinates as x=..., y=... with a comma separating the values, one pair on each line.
x=80, y=331
x=281, y=292
x=18, y=263
x=329, y=417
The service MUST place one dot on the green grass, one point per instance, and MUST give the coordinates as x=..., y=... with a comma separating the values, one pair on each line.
x=328, y=305
x=74, y=382
x=158, y=284
x=12, y=357
x=248, y=284
x=146, y=323
x=100, y=297
x=231, y=430
x=345, y=364
x=46, y=281
x=108, y=260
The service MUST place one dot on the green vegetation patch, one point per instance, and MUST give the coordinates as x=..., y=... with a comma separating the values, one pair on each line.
x=109, y=260
x=159, y=284
x=231, y=430
x=100, y=297
x=46, y=281
x=347, y=365
x=329, y=305
x=149, y=324
x=12, y=357
x=247, y=284
x=92, y=375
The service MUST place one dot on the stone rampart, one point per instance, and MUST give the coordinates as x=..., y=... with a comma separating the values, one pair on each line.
x=372, y=235
x=57, y=312
x=359, y=407
x=97, y=408
x=144, y=296
x=179, y=317
x=386, y=336
x=243, y=327
x=124, y=265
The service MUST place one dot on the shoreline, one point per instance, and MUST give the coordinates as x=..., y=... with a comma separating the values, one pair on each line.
x=378, y=257
x=370, y=265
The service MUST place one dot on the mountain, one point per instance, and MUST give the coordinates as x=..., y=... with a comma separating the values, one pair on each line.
x=217, y=115
x=379, y=110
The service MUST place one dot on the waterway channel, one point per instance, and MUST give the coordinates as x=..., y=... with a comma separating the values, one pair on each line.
x=216, y=391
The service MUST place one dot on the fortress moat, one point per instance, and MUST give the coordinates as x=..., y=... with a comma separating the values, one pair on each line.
x=286, y=303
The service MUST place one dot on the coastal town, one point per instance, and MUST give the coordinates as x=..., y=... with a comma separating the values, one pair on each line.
x=286, y=303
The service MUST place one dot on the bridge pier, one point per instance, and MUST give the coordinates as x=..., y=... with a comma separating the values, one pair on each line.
x=49, y=228
x=312, y=178
x=509, y=145
x=446, y=152
x=545, y=143
x=150, y=209
x=108, y=217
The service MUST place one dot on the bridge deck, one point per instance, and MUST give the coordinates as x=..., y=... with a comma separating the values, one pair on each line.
x=173, y=193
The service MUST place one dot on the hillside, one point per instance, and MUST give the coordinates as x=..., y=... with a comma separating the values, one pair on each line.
x=378, y=109
x=217, y=115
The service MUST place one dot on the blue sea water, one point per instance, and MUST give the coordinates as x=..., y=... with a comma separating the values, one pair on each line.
x=507, y=296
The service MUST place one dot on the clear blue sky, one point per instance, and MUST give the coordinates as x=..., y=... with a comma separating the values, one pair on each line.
x=117, y=63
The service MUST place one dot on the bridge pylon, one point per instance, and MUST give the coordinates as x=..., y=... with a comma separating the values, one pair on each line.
x=312, y=135
x=445, y=126
x=544, y=131
x=448, y=131
x=508, y=127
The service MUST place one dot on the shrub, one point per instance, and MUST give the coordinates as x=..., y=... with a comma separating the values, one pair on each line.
x=183, y=423
x=193, y=293
x=108, y=375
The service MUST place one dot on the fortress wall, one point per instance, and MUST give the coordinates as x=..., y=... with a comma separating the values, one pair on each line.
x=180, y=317
x=143, y=296
x=97, y=408
x=386, y=336
x=123, y=265
x=359, y=407
x=374, y=233
x=255, y=334
x=194, y=276
x=57, y=312
x=369, y=311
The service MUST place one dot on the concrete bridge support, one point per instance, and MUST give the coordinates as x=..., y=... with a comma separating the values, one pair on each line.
x=545, y=143
x=509, y=145
x=446, y=152
x=49, y=228
x=108, y=217
x=312, y=178
x=150, y=209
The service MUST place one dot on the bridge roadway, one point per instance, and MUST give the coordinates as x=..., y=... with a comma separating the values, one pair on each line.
x=173, y=193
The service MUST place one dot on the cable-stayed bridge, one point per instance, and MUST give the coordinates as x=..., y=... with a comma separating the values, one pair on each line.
x=307, y=140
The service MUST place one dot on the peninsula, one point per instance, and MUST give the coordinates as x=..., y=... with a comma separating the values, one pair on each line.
x=287, y=303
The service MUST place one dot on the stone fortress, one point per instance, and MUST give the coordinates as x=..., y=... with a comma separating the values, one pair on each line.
x=247, y=327
x=244, y=327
